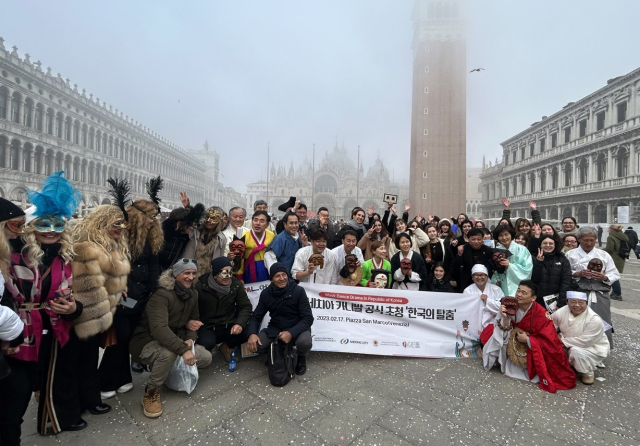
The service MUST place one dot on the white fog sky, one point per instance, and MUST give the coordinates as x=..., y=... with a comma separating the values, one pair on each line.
x=244, y=73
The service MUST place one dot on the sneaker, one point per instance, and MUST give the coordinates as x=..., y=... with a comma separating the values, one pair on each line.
x=601, y=365
x=616, y=296
x=107, y=395
x=588, y=378
x=151, y=404
x=226, y=351
x=125, y=388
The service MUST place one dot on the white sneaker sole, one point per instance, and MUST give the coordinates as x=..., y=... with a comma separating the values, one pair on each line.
x=126, y=388
x=107, y=395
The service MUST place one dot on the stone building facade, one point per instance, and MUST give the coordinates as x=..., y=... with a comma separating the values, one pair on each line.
x=438, y=116
x=582, y=161
x=47, y=124
x=336, y=184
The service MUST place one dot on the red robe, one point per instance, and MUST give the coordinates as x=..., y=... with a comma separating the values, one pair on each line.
x=546, y=357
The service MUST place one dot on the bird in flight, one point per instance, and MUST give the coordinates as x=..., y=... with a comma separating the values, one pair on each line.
x=477, y=69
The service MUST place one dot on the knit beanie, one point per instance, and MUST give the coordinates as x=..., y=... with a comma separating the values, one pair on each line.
x=218, y=263
x=276, y=268
x=183, y=265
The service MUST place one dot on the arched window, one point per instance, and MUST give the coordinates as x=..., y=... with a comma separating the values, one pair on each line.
x=59, y=125
x=49, y=122
x=601, y=167
x=26, y=115
x=3, y=103
x=38, y=117
x=583, y=171
x=554, y=178
x=622, y=163
x=76, y=132
x=67, y=128
x=84, y=135
x=15, y=107
x=543, y=181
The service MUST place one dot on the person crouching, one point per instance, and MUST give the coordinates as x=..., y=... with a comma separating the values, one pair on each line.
x=162, y=334
x=291, y=316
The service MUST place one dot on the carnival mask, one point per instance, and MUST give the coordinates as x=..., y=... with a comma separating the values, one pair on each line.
x=465, y=325
x=225, y=273
x=381, y=281
x=405, y=266
x=510, y=304
x=214, y=216
x=498, y=257
x=595, y=265
x=53, y=224
x=351, y=261
x=317, y=260
x=120, y=224
x=236, y=247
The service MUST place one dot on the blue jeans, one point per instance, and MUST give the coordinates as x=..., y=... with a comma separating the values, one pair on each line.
x=615, y=286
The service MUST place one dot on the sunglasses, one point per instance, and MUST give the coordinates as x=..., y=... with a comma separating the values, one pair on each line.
x=50, y=225
x=187, y=260
x=15, y=226
x=225, y=273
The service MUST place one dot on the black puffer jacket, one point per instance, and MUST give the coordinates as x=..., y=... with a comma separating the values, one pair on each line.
x=143, y=279
x=552, y=275
x=174, y=244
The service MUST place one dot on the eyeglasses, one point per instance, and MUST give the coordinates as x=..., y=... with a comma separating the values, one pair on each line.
x=15, y=226
x=225, y=274
x=50, y=225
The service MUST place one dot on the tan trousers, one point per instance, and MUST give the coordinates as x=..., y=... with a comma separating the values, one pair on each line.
x=161, y=360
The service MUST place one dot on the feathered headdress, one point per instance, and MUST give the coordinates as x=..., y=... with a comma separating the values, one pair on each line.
x=120, y=194
x=195, y=214
x=57, y=198
x=154, y=186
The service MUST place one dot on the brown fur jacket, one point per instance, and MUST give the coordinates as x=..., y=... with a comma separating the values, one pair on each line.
x=98, y=282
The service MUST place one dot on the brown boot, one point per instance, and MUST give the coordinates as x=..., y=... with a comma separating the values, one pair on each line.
x=151, y=404
x=226, y=351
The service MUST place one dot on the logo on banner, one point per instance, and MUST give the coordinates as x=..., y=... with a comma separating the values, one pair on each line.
x=411, y=344
x=344, y=341
x=375, y=343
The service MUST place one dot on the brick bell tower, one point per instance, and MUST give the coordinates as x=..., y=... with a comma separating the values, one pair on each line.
x=438, y=118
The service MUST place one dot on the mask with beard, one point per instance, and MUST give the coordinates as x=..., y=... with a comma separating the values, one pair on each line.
x=351, y=261
x=317, y=260
x=237, y=248
x=405, y=266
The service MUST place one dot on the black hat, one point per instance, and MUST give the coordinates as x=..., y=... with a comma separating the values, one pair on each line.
x=276, y=268
x=8, y=210
x=289, y=204
x=218, y=263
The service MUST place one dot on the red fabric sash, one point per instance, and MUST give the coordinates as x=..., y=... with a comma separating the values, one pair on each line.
x=250, y=262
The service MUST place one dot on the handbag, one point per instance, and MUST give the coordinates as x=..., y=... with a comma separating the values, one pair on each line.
x=516, y=350
x=182, y=377
x=282, y=362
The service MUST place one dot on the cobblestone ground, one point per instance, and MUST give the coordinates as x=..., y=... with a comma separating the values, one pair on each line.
x=374, y=400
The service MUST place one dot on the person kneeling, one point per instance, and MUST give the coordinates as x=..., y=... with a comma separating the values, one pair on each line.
x=582, y=333
x=525, y=343
x=291, y=316
x=162, y=334
x=224, y=309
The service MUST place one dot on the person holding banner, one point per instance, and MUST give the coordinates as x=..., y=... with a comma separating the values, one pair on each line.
x=489, y=293
x=378, y=261
x=291, y=317
x=315, y=263
x=529, y=338
x=408, y=269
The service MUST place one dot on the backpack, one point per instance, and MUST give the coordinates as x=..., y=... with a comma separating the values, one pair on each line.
x=282, y=362
x=624, y=250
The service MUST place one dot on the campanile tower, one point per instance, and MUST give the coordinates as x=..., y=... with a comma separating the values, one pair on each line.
x=438, y=118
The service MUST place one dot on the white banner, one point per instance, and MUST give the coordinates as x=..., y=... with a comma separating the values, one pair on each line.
x=391, y=322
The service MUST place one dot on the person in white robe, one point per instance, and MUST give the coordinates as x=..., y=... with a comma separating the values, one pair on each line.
x=304, y=271
x=582, y=333
x=596, y=282
x=488, y=292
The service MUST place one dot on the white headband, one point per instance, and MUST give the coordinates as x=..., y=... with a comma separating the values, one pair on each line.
x=576, y=295
x=479, y=268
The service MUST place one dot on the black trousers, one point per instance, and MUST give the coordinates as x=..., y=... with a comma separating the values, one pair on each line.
x=69, y=380
x=115, y=368
x=15, y=394
x=208, y=337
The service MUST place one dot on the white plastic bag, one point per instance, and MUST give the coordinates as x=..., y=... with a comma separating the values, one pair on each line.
x=182, y=377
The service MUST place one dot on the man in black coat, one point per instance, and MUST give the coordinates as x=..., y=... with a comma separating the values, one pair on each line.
x=633, y=240
x=468, y=255
x=323, y=220
x=291, y=316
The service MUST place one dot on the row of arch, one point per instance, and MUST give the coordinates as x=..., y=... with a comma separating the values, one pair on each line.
x=596, y=212
x=43, y=118
x=35, y=158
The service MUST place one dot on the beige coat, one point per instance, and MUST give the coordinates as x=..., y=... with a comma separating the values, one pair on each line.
x=98, y=282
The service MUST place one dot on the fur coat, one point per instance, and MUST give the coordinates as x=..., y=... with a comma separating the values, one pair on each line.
x=98, y=282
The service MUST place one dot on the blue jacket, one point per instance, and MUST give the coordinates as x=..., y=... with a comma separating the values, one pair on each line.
x=285, y=247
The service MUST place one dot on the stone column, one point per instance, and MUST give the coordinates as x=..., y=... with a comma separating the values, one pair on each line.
x=560, y=213
x=32, y=160
x=609, y=213
x=589, y=213
x=610, y=170
x=21, y=159
x=574, y=208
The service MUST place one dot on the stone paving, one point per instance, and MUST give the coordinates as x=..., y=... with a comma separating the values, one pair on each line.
x=348, y=399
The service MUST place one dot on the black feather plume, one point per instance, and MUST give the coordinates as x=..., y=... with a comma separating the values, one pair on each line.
x=154, y=186
x=195, y=214
x=120, y=194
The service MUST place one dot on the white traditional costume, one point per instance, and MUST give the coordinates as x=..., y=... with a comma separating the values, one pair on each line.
x=328, y=274
x=494, y=293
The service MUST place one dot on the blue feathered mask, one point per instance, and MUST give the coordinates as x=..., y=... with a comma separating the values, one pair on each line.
x=58, y=197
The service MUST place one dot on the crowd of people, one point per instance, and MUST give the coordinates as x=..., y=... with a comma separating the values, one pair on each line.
x=149, y=291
